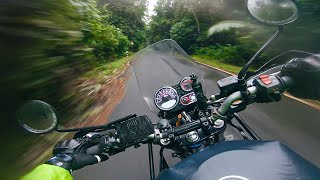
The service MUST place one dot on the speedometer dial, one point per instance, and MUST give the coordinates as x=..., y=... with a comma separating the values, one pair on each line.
x=166, y=98
x=186, y=84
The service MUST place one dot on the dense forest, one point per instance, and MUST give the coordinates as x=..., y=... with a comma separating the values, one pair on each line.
x=225, y=31
x=47, y=45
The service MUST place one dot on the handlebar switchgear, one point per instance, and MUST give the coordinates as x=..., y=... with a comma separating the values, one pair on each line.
x=269, y=88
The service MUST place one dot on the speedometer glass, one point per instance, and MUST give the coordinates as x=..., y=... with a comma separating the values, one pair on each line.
x=166, y=98
x=186, y=84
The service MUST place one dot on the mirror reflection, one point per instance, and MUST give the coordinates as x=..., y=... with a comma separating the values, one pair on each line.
x=273, y=12
x=37, y=117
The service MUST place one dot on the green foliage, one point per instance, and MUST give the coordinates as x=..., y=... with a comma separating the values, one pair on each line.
x=228, y=54
x=41, y=49
x=184, y=33
x=108, y=68
x=43, y=44
x=225, y=31
x=237, y=54
x=47, y=46
x=160, y=25
x=128, y=15
x=108, y=42
x=218, y=64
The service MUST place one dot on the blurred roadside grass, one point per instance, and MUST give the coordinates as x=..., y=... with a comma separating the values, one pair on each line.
x=107, y=68
x=218, y=64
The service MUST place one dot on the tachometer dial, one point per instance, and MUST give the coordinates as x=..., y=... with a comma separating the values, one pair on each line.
x=186, y=84
x=166, y=98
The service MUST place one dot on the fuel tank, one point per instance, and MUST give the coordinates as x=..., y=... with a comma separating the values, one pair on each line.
x=243, y=160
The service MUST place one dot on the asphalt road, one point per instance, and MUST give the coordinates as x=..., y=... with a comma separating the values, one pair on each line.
x=288, y=121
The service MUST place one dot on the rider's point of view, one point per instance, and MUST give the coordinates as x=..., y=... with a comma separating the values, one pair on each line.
x=160, y=89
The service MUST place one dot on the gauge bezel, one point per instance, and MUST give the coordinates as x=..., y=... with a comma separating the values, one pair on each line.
x=180, y=84
x=167, y=109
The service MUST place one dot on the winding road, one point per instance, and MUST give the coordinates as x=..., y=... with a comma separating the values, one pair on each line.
x=288, y=121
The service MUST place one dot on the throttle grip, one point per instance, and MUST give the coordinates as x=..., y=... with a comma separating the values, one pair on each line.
x=82, y=160
x=94, y=150
x=288, y=82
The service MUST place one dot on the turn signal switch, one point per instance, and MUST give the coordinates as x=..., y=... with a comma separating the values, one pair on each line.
x=269, y=88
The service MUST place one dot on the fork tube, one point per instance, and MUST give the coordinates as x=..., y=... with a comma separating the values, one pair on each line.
x=151, y=163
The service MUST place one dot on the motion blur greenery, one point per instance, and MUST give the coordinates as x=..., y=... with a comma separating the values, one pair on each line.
x=46, y=46
x=52, y=42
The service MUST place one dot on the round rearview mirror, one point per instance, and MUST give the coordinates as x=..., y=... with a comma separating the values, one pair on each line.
x=273, y=12
x=37, y=117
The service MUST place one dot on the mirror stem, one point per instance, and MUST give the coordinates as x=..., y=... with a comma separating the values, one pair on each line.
x=243, y=71
x=101, y=127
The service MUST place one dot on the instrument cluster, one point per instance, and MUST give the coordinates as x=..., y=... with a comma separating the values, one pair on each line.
x=175, y=97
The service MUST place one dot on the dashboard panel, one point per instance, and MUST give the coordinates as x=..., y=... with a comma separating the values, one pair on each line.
x=177, y=97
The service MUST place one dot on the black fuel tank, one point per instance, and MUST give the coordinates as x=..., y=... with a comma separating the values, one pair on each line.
x=243, y=160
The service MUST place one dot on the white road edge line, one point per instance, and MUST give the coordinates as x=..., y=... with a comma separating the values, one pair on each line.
x=286, y=94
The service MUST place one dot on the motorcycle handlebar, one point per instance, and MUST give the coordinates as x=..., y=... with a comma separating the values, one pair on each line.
x=285, y=82
x=186, y=127
x=288, y=82
x=223, y=109
x=94, y=150
x=97, y=149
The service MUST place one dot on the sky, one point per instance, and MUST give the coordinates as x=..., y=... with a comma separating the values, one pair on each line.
x=151, y=4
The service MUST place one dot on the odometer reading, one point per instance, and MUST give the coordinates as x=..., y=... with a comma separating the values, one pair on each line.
x=166, y=98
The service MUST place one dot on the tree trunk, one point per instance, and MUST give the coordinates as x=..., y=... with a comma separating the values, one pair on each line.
x=195, y=16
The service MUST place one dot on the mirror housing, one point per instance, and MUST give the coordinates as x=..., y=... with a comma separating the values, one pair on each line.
x=37, y=117
x=273, y=12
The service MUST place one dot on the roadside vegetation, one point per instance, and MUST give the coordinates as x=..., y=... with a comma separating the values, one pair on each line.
x=55, y=42
x=224, y=31
x=224, y=35
x=218, y=64
x=67, y=53
x=108, y=68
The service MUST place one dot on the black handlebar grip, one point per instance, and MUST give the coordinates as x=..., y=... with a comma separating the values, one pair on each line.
x=187, y=127
x=94, y=150
x=288, y=82
x=82, y=160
